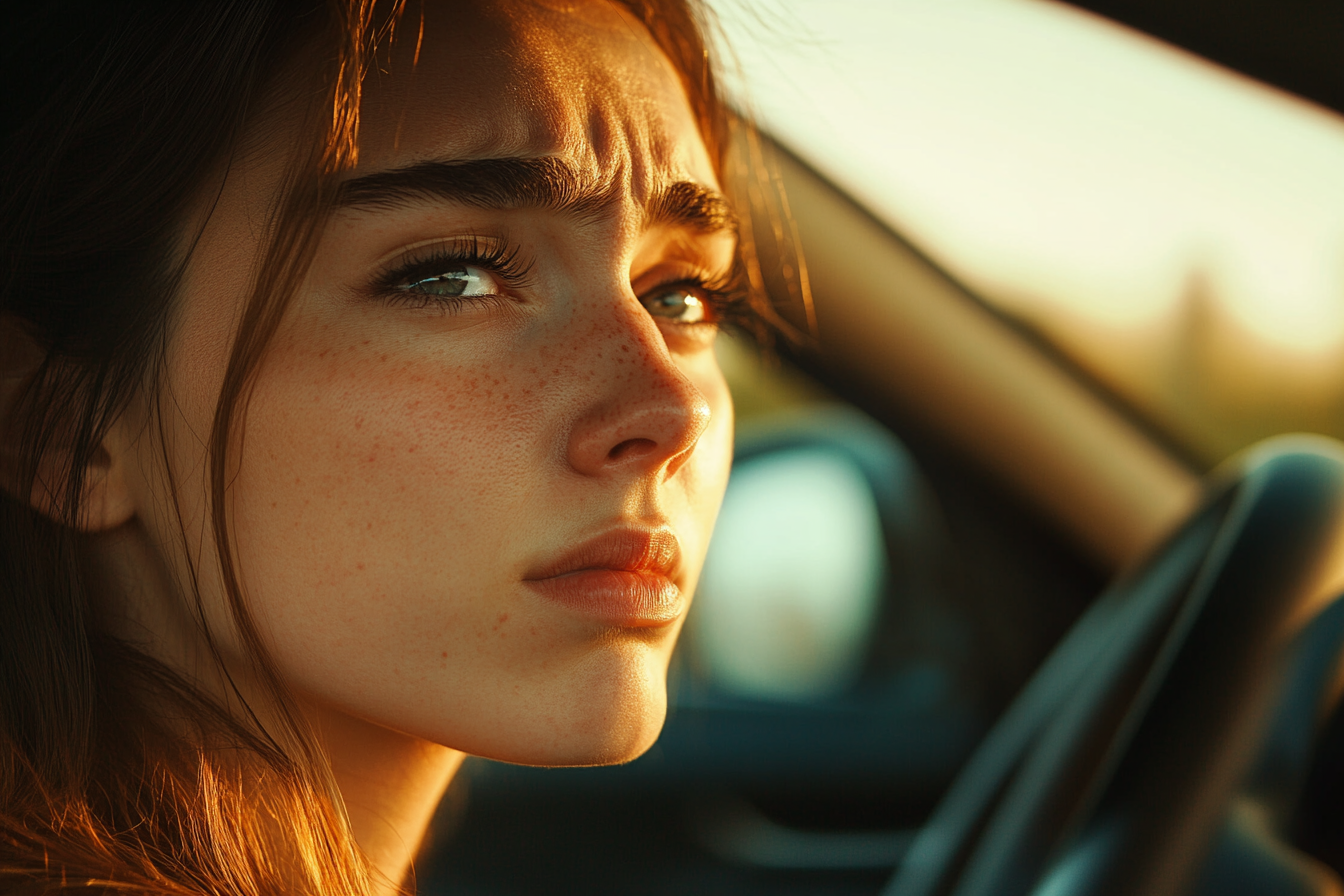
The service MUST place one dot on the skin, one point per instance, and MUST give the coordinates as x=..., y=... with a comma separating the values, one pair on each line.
x=405, y=467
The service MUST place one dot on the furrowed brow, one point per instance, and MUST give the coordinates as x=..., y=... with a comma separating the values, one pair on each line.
x=545, y=182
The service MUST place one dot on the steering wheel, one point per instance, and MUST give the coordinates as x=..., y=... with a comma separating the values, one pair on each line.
x=1114, y=769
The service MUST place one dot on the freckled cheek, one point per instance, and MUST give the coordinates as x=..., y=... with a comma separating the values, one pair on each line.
x=365, y=464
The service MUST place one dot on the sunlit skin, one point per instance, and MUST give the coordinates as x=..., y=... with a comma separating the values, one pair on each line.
x=409, y=462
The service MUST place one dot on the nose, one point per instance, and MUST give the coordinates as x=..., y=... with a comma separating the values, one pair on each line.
x=644, y=414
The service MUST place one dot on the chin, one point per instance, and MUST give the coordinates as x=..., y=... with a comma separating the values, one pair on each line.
x=625, y=744
x=606, y=722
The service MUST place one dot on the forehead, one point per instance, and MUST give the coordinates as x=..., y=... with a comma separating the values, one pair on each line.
x=582, y=81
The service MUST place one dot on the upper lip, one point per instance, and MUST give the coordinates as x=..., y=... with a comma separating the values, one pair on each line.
x=629, y=549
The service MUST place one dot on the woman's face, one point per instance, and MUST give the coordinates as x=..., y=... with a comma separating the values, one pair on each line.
x=487, y=445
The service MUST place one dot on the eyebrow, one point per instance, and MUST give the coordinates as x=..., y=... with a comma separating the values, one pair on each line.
x=546, y=183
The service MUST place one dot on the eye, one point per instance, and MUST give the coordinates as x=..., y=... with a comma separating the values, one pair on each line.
x=678, y=303
x=458, y=281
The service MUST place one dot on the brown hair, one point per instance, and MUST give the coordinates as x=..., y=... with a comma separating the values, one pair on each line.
x=119, y=126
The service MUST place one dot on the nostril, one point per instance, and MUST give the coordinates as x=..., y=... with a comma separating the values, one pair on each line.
x=643, y=424
x=629, y=447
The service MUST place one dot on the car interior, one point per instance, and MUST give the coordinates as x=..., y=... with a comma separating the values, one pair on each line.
x=982, y=615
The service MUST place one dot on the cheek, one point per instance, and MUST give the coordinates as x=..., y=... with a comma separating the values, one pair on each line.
x=361, y=466
x=389, y=495
x=377, y=511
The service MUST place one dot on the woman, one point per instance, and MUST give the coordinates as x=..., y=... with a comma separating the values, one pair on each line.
x=359, y=412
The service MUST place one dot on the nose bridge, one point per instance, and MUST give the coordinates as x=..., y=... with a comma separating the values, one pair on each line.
x=644, y=411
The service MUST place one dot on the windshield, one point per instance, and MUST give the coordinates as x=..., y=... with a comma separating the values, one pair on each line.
x=1172, y=227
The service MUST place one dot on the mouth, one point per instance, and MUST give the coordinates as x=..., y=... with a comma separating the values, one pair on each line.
x=622, y=578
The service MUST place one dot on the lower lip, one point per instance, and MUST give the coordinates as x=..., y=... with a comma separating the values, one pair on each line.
x=615, y=597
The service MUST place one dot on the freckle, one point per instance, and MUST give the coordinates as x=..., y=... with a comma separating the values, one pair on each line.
x=444, y=654
x=275, y=504
x=359, y=566
x=383, y=358
x=503, y=618
x=297, y=480
x=369, y=526
x=359, y=424
x=365, y=342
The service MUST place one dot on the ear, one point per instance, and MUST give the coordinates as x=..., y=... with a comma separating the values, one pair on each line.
x=106, y=500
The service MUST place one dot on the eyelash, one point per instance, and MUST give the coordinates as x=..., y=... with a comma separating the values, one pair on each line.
x=725, y=295
x=498, y=258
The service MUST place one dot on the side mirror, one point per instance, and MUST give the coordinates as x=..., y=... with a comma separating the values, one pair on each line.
x=829, y=541
x=794, y=578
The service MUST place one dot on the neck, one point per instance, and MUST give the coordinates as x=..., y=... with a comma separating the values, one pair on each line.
x=391, y=783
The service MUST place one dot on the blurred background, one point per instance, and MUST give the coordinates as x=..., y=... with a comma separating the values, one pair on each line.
x=1173, y=227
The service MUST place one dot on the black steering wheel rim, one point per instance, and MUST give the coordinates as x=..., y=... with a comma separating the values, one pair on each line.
x=1114, y=768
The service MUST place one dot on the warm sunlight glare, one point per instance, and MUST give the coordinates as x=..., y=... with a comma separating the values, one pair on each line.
x=1064, y=167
